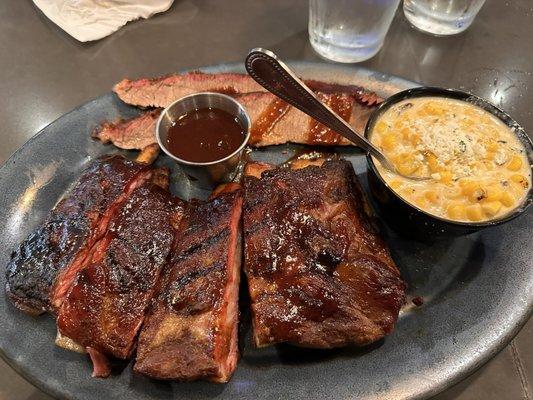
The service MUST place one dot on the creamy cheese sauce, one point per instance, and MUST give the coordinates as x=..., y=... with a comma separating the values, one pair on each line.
x=479, y=168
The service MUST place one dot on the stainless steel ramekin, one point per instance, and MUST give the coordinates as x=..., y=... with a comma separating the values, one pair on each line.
x=205, y=174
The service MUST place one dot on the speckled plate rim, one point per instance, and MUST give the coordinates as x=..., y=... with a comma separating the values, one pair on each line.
x=374, y=84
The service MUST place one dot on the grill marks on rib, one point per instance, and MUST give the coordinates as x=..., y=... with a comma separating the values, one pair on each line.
x=107, y=303
x=197, y=247
x=40, y=269
x=319, y=276
x=106, y=292
x=193, y=292
x=191, y=330
x=66, y=276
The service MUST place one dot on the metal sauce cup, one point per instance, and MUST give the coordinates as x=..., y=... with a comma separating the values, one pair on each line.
x=205, y=174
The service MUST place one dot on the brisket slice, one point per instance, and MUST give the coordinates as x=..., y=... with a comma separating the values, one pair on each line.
x=133, y=133
x=318, y=273
x=276, y=122
x=191, y=331
x=106, y=305
x=42, y=268
x=161, y=92
x=273, y=121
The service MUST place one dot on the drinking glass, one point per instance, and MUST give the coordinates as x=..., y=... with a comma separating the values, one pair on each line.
x=442, y=17
x=349, y=30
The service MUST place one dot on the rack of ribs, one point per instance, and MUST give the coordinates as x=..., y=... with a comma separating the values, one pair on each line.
x=107, y=303
x=191, y=331
x=318, y=273
x=43, y=267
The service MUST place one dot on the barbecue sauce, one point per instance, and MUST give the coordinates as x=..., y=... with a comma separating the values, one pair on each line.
x=268, y=119
x=204, y=135
x=318, y=133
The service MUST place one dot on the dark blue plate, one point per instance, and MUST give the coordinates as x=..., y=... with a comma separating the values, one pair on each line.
x=477, y=289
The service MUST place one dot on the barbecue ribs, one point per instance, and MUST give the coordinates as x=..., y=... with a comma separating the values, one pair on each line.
x=105, y=308
x=191, y=331
x=318, y=274
x=42, y=269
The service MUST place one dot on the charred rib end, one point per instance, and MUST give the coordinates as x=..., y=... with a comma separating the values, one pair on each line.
x=24, y=305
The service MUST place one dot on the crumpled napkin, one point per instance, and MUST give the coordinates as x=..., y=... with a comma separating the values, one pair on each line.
x=87, y=20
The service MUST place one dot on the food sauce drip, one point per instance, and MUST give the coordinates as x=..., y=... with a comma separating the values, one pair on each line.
x=342, y=105
x=204, y=135
x=301, y=257
x=268, y=119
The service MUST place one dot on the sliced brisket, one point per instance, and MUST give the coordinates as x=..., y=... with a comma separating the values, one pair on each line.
x=160, y=92
x=273, y=121
x=276, y=122
x=41, y=270
x=191, y=331
x=318, y=273
x=106, y=306
x=134, y=133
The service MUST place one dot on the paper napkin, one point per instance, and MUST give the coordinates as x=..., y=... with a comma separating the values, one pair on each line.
x=87, y=20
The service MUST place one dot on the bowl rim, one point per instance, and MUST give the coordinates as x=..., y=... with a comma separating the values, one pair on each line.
x=206, y=163
x=432, y=91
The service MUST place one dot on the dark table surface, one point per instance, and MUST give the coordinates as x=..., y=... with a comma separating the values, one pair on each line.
x=46, y=73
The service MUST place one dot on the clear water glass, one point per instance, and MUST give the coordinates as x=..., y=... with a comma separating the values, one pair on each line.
x=442, y=17
x=349, y=30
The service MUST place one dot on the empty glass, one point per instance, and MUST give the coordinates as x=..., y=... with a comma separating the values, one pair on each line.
x=349, y=30
x=442, y=17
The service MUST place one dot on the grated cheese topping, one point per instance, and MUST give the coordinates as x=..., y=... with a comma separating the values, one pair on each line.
x=466, y=150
